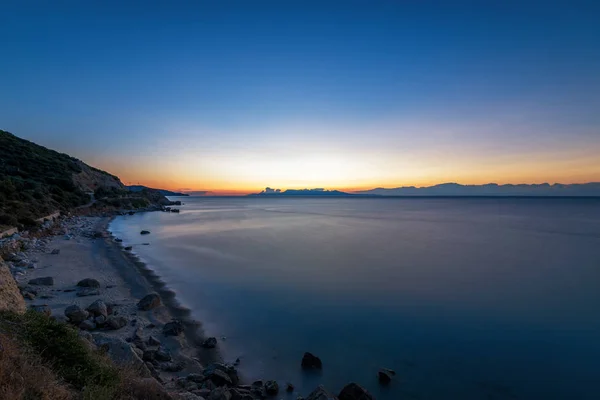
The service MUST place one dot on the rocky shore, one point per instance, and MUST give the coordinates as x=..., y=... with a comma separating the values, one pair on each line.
x=78, y=274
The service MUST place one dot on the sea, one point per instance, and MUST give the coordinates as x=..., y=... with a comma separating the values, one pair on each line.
x=464, y=298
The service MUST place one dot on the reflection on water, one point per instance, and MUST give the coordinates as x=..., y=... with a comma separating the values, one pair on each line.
x=464, y=298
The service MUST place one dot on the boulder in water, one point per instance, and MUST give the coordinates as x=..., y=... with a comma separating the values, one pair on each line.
x=310, y=361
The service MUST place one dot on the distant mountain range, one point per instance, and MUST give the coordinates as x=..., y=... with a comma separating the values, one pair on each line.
x=452, y=189
x=491, y=189
x=139, y=188
x=268, y=192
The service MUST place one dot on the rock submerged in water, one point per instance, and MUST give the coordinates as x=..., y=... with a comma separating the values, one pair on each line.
x=144, y=232
x=128, y=248
x=320, y=393
x=384, y=376
x=352, y=391
x=89, y=282
x=149, y=302
x=271, y=388
x=173, y=328
x=310, y=361
x=45, y=281
x=55, y=251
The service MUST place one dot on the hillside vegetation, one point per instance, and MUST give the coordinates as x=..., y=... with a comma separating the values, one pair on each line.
x=36, y=181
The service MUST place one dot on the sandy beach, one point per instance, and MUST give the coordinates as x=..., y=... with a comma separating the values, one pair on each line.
x=81, y=248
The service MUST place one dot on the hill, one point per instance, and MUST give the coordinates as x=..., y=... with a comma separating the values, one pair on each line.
x=491, y=189
x=139, y=188
x=36, y=181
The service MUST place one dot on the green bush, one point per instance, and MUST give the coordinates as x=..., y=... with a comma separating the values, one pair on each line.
x=59, y=345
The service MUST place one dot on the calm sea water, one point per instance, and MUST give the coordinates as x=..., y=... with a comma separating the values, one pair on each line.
x=464, y=298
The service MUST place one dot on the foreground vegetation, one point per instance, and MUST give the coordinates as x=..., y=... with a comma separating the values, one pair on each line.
x=44, y=359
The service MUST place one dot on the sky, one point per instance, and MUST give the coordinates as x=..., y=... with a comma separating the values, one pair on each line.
x=234, y=96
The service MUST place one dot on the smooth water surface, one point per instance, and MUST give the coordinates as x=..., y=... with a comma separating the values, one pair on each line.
x=465, y=298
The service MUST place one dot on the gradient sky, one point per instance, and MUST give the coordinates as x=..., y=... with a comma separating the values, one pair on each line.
x=239, y=95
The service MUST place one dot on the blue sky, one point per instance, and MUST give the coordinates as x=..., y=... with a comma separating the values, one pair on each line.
x=236, y=95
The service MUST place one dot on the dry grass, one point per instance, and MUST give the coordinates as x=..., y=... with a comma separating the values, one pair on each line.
x=23, y=376
x=43, y=359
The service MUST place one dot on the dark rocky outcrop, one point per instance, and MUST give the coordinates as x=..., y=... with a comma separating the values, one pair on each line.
x=310, y=361
x=10, y=298
x=352, y=391
x=144, y=232
x=149, y=302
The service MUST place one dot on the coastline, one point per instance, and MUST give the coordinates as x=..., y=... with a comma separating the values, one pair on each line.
x=87, y=250
x=49, y=269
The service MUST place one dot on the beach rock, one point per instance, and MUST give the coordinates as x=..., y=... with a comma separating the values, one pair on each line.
x=221, y=374
x=289, y=387
x=41, y=308
x=171, y=366
x=98, y=308
x=55, y=251
x=320, y=393
x=115, y=323
x=352, y=391
x=148, y=355
x=310, y=361
x=144, y=232
x=152, y=341
x=149, y=302
x=271, y=388
x=87, y=292
x=162, y=355
x=118, y=240
x=45, y=281
x=187, y=396
x=75, y=314
x=100, y=320
x=195, y=378
x=128, y=248
x=384, y=377
x=87, y=325
x=28, y=295
x=202, y=392
x=121, y=352
x=89, y=282
x=173, y=328
x=221, y=393
x=210, y=343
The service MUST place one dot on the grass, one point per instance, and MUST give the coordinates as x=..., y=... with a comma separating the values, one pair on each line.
x=53, y=362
